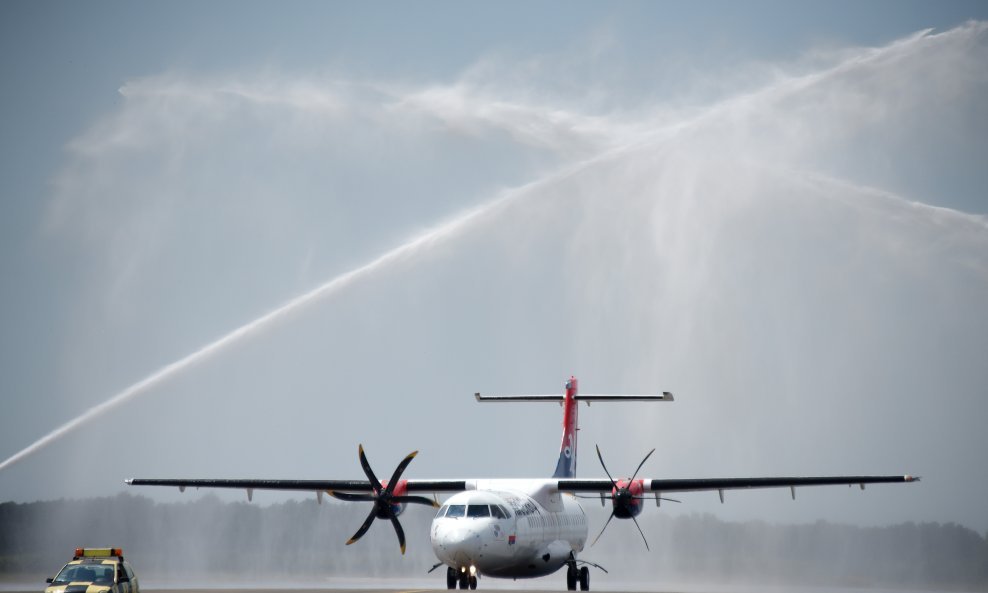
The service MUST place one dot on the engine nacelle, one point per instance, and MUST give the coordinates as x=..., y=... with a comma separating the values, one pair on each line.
x=401, y=489
x=628, y=498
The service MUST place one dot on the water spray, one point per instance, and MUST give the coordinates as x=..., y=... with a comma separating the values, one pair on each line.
x=451, y=228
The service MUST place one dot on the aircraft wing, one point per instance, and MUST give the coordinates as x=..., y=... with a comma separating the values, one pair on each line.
x=297, y=485
x=721, y=484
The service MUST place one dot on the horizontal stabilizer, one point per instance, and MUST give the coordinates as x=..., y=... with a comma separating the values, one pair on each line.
x=580, y=397
x=519, y=398
x=589, y=397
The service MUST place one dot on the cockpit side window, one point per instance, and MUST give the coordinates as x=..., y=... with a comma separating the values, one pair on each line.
x=497, y=511
x=456, y=510
x=478, y=510
x=442, y=511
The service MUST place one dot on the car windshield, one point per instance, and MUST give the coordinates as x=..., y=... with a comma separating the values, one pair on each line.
x=85, y=573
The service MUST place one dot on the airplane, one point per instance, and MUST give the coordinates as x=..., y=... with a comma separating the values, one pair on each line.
x=516, y=528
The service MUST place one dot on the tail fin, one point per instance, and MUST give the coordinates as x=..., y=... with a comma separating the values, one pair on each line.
x=566, y=465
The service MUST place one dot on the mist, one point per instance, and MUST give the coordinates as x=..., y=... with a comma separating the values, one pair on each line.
x=207, y=542
x=794, y=249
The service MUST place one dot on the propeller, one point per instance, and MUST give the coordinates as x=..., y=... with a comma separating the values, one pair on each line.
x=383, y=497
x=622, y=497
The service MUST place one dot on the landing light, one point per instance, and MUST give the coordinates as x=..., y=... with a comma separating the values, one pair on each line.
x=473, y=570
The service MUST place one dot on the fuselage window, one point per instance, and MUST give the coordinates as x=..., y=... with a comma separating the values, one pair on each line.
x=478, y=510
x=456, y=510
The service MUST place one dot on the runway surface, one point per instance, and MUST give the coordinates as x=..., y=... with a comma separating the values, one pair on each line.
x=329, y=589
x=399, y=586
x=498, y=585
x=374, y=585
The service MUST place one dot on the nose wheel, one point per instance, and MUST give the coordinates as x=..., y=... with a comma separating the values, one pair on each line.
x=461, y=579
x=575, y=575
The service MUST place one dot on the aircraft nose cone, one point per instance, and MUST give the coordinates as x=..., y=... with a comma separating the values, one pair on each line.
x=460, y=544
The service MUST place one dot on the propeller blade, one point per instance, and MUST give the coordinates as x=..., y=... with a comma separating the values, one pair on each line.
x=383, y=498
x=352, y=497
x=398, y=471
x=603, y=465
x=634, y=475
x=375, y=483
x=400, y=532
x=415, y=500
x=640, y=531
x=363, y=528
x=602, y=530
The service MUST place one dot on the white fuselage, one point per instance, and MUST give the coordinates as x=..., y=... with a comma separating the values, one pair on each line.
x=509, y=528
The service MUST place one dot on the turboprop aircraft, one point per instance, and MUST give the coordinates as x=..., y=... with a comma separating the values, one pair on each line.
x=515, y=528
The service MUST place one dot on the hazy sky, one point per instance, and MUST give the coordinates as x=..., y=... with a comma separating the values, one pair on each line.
x=775, y=210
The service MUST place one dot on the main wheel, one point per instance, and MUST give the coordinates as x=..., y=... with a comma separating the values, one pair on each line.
x=451, y=577
x=473, y=582
x=464, y=580
x=584, y=578
x=571, y=578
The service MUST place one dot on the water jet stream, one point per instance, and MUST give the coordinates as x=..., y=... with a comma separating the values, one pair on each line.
x=336, y=284
x=429, y=238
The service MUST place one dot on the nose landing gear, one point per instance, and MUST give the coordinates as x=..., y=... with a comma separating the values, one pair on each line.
x=574, y=574
x=460, y=578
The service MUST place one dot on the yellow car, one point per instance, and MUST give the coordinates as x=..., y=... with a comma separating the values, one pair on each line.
x=95, y=570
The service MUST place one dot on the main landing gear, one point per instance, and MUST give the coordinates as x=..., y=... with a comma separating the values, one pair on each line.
x=574, y=574
x=460, y=578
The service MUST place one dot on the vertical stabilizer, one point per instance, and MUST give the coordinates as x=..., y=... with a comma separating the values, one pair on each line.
x=566, y=466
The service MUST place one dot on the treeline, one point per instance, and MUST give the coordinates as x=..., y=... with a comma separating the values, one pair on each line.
x=207, y=538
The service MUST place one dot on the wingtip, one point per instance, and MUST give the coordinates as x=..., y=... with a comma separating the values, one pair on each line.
x=129, y=481
x=913, y=478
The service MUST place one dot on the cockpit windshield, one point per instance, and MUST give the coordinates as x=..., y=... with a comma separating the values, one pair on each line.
x=473, y=511
x=478, y=510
